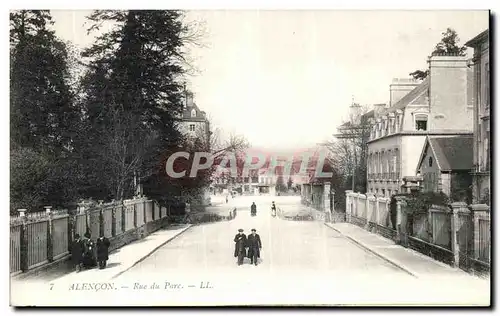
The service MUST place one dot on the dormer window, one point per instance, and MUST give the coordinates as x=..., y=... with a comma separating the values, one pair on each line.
x=193, y=113
x=430, y=161
x=421, y=122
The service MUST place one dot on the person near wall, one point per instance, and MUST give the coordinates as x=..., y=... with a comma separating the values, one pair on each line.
x=102, y=248
x=76, y=249
x=89, y=260
x=273, y=209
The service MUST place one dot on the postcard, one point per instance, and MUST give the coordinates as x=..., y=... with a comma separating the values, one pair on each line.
x=250, y=158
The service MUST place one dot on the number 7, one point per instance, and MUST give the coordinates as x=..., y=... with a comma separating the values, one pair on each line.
x=51, y=286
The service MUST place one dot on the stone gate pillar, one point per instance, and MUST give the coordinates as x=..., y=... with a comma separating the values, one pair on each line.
x=326, y=196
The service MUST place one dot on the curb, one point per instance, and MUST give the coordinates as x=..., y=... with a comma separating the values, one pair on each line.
x=152, y=251
x=385, y=258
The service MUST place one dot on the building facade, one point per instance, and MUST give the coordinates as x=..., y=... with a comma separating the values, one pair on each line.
x=445, y=165
x=439, y=105
x=482, y=139
x=194, y=123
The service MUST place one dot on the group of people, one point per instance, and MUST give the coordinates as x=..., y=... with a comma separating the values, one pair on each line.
x=253, y=209
x=85, y=253
x=247, y=246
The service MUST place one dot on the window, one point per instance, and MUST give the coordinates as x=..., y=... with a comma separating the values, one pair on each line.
x=395, y=164
x=193, y=113
x=487, y=86
x=398, y=162
x=192, y=127
x=430, y=161
x=421, y=122
x=485, y=155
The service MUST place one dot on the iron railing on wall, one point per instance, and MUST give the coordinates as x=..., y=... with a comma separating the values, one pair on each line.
x=40, y=239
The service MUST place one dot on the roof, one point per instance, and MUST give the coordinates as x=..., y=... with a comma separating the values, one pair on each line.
x=452, y=152
x=412, y=95
x=369, y=114
x=481, y=37
x=186, y=113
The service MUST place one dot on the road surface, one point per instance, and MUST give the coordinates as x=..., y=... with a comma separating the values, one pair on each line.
x=302, y=263
x=304, y=247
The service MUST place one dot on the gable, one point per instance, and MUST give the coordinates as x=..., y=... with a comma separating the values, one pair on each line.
x=425, y=150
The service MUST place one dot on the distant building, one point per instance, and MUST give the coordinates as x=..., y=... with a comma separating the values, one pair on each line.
x=442, y=104
x=445, y=165
x=482, y=138
x=194, y=123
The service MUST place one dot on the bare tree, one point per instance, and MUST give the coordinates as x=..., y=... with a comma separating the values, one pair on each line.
x=213, y=142
x=210, y=142
x=349, y=150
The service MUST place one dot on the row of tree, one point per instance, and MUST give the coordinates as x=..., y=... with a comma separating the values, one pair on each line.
x=92, y=125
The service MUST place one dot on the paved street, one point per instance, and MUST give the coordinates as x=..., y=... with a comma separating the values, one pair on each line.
x=301, y=263
x=287, y=245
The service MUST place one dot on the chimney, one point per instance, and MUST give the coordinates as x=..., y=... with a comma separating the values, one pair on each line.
x=448, y=87
x=401, y=87
x=189, y=98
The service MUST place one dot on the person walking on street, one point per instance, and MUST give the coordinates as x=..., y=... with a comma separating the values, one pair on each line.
x=273, y=209
x=239, y=248
x=253, y=209
x=254, y=246
x=76, y=250
x=102, y=246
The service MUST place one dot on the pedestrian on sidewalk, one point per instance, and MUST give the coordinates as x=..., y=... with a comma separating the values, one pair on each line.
x=89, y=260
x=102, y=246
x=254, y=246
x=76, y=250
x=239, y=248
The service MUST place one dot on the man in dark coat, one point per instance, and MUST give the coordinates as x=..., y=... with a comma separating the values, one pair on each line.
x=273, y=209
x=240, y=241
x=253, y=208
x=102, y=249
x=76, y=250
x=254, y=246
x=89, y=252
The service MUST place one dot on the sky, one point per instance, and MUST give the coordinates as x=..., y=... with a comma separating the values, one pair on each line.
x=285, y=79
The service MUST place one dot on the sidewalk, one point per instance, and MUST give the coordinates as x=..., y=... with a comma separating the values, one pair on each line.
x=126, y=257
x=406, y=259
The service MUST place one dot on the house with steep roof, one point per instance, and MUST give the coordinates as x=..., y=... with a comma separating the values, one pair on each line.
x=193, y=122
x=445, y=164
x=440, y=105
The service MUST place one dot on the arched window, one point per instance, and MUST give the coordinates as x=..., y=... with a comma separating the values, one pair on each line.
x=193, y=113
x=430, y=161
